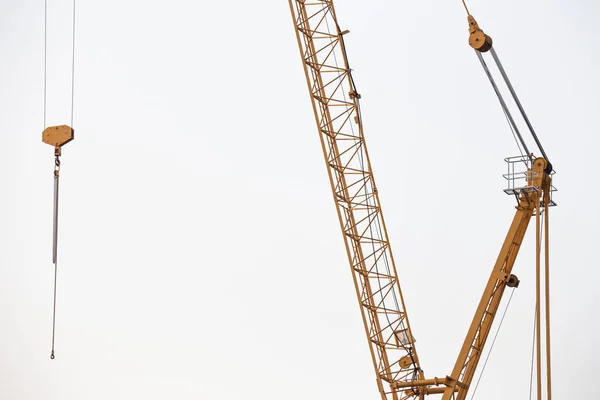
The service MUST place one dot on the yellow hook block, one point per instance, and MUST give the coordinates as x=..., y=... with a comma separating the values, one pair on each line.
x=57, y=136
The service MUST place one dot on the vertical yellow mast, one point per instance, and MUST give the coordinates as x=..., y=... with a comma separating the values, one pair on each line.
x=336, y=108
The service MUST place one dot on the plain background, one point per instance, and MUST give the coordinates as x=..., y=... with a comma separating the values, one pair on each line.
x=200, y=254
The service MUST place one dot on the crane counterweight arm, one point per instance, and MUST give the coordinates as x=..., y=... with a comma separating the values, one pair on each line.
x=336, y=107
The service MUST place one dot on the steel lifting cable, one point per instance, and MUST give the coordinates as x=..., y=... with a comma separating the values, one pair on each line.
x=511, y=121
x=466, y=9
x=483, y=43
x=56, y=136
x=521, y=109
x=493, y=342
x=517, y=102
x=45, y=55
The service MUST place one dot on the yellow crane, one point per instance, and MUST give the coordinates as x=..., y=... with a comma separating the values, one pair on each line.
x=336, y=106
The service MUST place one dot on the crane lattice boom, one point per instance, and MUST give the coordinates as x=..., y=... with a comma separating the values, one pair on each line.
x=337, y=112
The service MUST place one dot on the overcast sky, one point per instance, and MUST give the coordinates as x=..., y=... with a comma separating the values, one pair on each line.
x=200, y=255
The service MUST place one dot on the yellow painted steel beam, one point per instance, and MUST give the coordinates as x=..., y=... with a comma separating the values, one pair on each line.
x=472, y=347
x=421, y=382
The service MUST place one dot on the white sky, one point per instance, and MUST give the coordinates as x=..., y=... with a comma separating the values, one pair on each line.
x=200, y=252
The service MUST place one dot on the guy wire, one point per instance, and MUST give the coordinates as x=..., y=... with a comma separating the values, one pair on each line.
x=45, y=54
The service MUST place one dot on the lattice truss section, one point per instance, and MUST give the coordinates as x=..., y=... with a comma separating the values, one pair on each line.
x=336, y=105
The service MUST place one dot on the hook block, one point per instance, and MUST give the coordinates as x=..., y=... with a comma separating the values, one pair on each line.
x=58, y=136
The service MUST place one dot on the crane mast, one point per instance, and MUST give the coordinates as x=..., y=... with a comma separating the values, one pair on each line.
x=336, y=107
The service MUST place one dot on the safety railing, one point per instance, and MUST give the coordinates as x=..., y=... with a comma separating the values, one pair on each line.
x=520, y=177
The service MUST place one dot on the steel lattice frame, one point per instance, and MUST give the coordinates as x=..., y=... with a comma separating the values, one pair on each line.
x=336, y=107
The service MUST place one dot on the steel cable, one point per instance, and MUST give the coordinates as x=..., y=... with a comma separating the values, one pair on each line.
x=57, y=155
x=492, y=345
x=516, y=99
x=45, y=55
x=503, y=103
x=73, y=67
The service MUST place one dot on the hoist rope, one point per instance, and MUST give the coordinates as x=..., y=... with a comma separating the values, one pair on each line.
x=492, y=345
x=514, y=136
x=57, y=155
x=465, y=4
x=518, y=102
x=46, y=62
x=73, y=66
x=511, y=121
x=45, y=55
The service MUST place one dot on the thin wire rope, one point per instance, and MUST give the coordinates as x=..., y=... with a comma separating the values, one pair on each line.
x=45, y=55
x=518, y=103
x=502, y=102
x=57, y=161
x=465, y=4
x=492, y=345
x=46, y=62
x=514, y=134
x=73, y=67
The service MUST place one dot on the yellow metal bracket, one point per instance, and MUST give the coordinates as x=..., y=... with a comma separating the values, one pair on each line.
x=57, y=136
x=509, y=279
